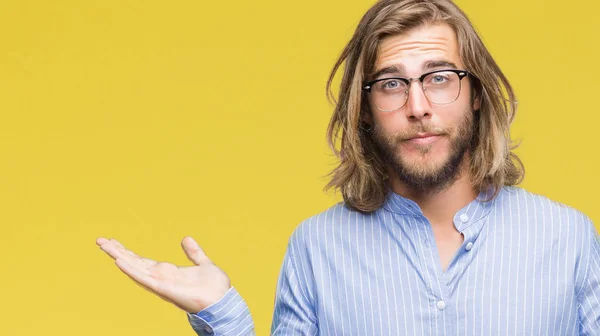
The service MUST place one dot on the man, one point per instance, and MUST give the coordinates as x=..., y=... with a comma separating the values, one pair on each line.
x=433, y=238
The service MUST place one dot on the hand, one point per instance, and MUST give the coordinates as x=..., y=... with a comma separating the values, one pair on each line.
x=189, y=288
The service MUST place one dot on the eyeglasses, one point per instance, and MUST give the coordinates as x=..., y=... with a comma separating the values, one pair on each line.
x=441, y=87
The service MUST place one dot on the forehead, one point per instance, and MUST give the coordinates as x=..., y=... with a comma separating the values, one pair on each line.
x=412, y=50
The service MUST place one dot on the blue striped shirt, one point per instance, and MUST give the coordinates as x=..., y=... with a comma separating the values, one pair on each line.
x=527, y=266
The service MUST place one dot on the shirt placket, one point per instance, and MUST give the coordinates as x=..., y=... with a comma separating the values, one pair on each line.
x=438, y=298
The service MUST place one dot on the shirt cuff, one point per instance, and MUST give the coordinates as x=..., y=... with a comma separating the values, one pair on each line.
x=228, y=316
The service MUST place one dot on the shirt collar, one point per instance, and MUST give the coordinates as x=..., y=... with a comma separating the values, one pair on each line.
x=465, y=217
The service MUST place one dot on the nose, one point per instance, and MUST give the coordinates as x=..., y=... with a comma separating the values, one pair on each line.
x=417, y=105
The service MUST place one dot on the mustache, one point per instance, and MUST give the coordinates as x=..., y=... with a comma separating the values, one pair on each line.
x=418, y=131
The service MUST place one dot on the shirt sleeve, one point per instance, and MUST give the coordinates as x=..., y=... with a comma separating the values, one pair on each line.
x=294, y=313
x=589, y=298
x=229, y=316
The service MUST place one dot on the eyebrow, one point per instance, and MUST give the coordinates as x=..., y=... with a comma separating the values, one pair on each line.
x=399, y=68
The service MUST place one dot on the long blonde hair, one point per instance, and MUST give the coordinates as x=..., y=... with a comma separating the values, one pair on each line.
x=361, y=176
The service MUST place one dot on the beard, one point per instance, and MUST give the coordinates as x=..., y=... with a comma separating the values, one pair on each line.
x=433, y=174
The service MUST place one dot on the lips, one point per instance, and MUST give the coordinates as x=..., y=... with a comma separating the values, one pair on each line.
x=424, y=138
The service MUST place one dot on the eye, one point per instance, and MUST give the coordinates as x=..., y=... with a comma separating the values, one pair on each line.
x=392, y=85
x=439, y=79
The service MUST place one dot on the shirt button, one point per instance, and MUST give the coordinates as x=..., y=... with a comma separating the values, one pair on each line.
x=441, y=305
x=469, y=246
x=208, y=330
x=464, y=218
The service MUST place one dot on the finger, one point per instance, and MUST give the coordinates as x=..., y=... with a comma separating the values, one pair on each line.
x=123, y=249
x=111, y=249
x=119, y=253
x=194, y=253
x=101, y=240
x=116, y=242
x=111, y=246
x=138, y=274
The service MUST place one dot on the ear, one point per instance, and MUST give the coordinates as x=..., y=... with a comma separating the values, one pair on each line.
x=477, y=103
x=476, y=100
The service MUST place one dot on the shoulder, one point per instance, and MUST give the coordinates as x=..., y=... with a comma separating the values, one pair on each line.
x=532, y=208
x=520, y=199
x=328, y=225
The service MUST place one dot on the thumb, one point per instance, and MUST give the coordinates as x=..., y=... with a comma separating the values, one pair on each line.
x=193, y=251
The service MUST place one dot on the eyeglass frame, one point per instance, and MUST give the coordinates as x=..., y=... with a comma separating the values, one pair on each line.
x=461, y=74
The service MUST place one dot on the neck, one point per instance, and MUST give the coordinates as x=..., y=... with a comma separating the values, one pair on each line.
x=440, y=206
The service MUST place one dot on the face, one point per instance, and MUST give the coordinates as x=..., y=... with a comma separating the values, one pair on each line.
x=423, y=143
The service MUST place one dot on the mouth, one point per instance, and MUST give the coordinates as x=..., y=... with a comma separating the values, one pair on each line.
x=424, y=138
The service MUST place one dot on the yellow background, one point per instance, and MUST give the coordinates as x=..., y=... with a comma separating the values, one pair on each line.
x=151, y=120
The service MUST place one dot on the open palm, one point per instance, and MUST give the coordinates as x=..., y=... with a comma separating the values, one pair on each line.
x=191, y=288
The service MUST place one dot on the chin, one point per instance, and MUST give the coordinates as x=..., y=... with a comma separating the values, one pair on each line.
x=431, y=156
x=430, y=159
x=424, y=170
